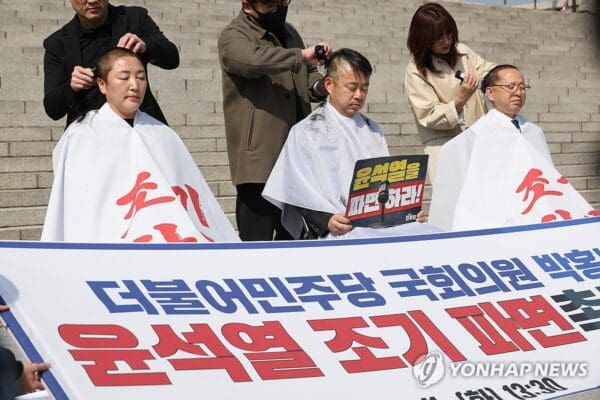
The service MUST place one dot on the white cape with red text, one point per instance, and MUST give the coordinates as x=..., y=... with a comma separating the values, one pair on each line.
x=119, y=183
x=493, y=175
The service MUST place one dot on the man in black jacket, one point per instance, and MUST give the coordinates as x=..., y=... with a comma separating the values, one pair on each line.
x=73, y=51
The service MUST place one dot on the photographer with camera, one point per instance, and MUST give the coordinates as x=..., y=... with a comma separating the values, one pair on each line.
x=269, y=80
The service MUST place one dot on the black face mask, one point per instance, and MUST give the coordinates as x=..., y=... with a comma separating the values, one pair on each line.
x=272, y=22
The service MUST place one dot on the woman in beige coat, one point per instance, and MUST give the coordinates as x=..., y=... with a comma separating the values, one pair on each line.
x=443, y=105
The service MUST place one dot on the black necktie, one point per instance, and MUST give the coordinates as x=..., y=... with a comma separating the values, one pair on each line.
x=516, y=124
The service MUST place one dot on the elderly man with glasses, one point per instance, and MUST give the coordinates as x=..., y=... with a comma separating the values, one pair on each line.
x=499, y=172
x=269, y=80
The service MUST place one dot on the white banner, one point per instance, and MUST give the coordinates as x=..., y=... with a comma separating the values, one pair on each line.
x=507, y=313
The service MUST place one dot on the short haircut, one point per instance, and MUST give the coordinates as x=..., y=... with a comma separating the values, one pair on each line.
x=353, y=58
x=430, y=23
x=107, y=59
x=492, y=77
x=103, y=67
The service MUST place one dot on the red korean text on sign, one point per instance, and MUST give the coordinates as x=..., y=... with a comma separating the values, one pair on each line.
x=271, y=350
x=104, y=345
x=346, y=335
x=414, y=323
x=522, y=314
x=170, y=343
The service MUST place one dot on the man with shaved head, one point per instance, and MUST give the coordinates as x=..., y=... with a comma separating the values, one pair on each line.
x=312, y=175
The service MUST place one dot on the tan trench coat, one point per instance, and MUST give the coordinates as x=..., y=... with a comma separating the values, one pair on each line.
x=429, y=96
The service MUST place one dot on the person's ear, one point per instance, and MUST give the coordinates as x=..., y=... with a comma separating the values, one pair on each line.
x=246, y=7
x=489, y=92
x=102, y=86
x=328, y=83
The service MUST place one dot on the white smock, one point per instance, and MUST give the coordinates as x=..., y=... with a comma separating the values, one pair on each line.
x=481, y=180
x=315, y=167
x=119, y=183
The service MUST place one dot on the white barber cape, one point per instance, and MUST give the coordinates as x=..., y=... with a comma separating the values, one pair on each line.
x=493, y=175
x=117, y=183
x=314, y=169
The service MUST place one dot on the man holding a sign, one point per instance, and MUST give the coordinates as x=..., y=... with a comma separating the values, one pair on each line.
x=315, y=168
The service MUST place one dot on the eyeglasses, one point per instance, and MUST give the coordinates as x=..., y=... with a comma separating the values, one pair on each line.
x=445, y=38
x=273, y=6
x=513, y=87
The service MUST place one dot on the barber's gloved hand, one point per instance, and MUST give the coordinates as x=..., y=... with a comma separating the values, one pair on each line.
x=338, y=224
x=309, y=55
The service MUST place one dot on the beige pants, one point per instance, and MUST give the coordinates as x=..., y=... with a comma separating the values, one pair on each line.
x=433, y=152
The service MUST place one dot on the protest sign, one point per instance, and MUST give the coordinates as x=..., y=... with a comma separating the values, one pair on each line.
x=508, y=313
x=386, y=191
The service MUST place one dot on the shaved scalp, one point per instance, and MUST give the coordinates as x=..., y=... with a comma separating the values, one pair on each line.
x=492, y=77
x=344, y=59
x=108, y=58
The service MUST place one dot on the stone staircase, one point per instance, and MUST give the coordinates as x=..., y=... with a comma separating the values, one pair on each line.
x=555, y=51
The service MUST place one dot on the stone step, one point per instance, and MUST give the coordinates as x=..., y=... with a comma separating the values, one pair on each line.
x=21, y=233
x=24, y=198
x=22, y=216
x=592, y=196
x=25, y=120
x=25, y=164
x=12, y=181
x=12, y=134
x=553, y=49
x=575, y=158
x=20, y=70
x=25, y=149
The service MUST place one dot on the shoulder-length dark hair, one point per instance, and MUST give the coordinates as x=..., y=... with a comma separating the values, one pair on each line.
x=430, y=23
